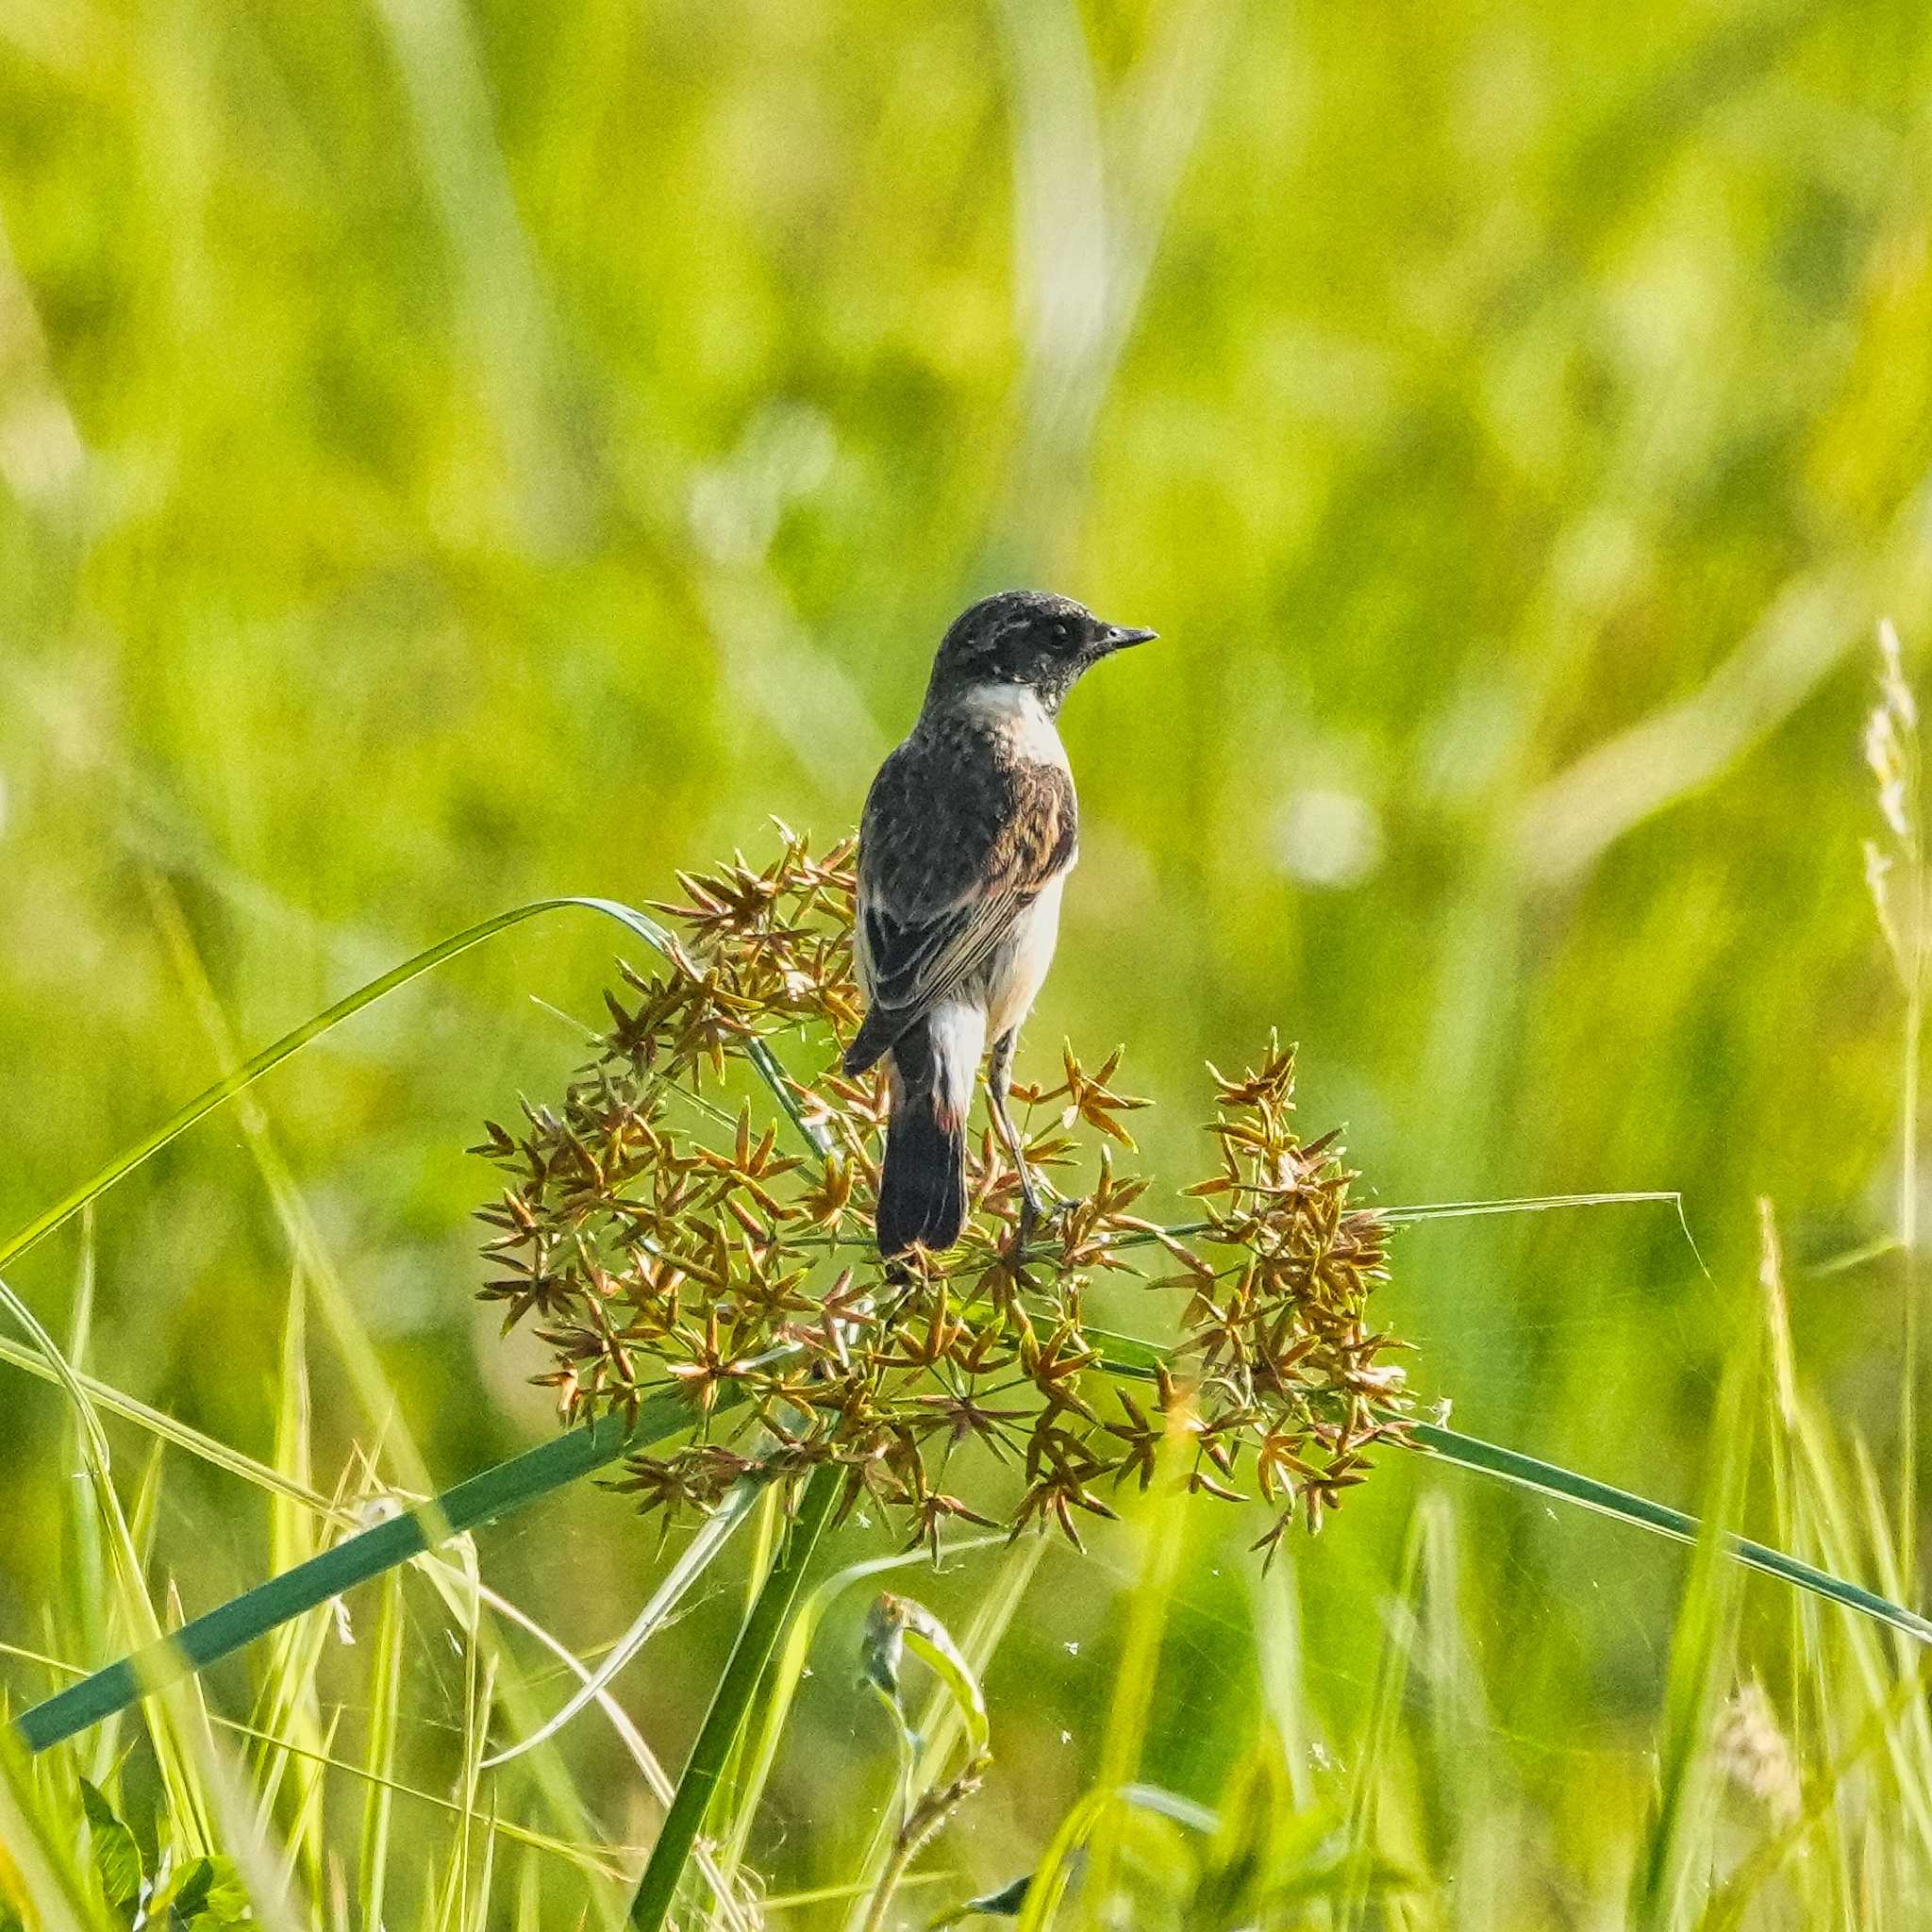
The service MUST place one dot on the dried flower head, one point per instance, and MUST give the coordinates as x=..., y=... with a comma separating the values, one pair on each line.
x=660, y=1233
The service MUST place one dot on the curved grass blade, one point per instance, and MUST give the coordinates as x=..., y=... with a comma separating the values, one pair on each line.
x=507, y=1486
x=789, y=1671
x=1549, y=1479
x=312, y=1030
x=38, y=1856
x=1036, y=1897
x=1127, y=1355
x=498, y=1490
x=1163, y=1532
x=939, y=1726
x=712, y=1535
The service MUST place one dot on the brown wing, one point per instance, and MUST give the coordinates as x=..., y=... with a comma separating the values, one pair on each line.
x=955, y=844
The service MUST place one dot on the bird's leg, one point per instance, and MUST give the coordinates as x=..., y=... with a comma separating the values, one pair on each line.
x=998, y=1077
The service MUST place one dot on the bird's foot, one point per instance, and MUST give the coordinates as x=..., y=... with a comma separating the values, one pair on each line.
x=1041, y=1208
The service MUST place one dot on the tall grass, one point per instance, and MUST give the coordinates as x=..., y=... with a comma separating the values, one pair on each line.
x=450, y=453
x=1286, y=1850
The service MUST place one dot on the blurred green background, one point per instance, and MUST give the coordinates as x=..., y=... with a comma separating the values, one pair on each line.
x=454, y=454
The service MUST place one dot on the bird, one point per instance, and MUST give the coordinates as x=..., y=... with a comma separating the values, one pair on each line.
x=969, y=832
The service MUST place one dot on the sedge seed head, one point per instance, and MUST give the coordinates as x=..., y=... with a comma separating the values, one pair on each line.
x=659, y=1231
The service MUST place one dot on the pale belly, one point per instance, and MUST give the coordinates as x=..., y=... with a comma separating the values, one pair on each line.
x=1013, y=977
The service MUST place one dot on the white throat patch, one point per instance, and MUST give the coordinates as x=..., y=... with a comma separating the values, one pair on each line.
x=1014, y=709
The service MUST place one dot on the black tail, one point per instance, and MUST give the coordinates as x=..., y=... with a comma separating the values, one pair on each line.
x=922, y=1187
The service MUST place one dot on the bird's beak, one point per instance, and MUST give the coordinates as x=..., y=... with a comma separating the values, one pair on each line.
x=1118, y=637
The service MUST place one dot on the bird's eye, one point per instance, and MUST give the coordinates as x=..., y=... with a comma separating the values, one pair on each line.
x=1060, y=633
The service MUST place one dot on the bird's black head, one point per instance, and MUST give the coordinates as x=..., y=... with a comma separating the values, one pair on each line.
x=1028, y=638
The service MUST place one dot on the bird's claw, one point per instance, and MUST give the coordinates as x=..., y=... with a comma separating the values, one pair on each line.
x=1034, y=1216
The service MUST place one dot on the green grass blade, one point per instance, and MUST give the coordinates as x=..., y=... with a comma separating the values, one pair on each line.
x=494, y=1492
x=140, y=1625
x=1679, y=1840
x=757, y=1639
x=385, y=1700
x=730, y=1918
x=84, y=1570
x=312, y=1029
x=1526, y=1204
x=505, y=1487
x=711, y=1536
x=1730, y=1901
x=130, y=1409
x=1127, y=1355
x=1060, y=1865
x=35, y=1855
x=1393, y=1665
x=1282, y=1659
x=1163, y=1533
x=1467, y=1775
x=355, y=1347
x=294, y=1712
x=536, y=1472
x=1469, y=1452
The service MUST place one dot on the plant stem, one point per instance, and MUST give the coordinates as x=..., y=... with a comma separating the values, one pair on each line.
x=732, y=1703
x=902, y=1854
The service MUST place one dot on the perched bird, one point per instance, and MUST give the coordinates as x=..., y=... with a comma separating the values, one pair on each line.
x=970, y=829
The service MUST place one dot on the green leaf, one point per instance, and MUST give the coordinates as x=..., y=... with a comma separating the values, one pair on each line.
x=1004, y=1904
x=116, y=1857
x=1242, y=1854
x=897, y=1621
x=207, y=1895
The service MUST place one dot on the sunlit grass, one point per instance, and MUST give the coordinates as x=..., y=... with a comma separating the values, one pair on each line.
x=454, y=454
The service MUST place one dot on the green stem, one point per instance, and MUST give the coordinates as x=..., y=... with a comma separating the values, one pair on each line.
x=904, y=1853
x=757, y=1639
x=1908, y=1224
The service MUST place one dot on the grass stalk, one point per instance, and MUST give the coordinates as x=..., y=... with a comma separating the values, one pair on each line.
x=1393, y=1666
x=898, y=1863
x=757, y=1639
x=1703, y=1661
x=36, y=1856
x=378, y=1770
x=941, y=1721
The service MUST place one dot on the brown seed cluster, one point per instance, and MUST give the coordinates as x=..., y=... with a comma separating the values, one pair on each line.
x=660, y=1237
